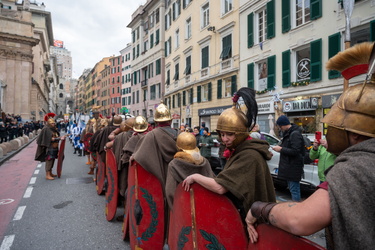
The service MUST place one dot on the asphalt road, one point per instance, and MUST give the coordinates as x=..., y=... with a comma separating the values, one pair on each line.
x=64, y=213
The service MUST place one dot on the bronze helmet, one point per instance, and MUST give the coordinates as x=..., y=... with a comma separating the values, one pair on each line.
x=234, y=120
x=354, y=110
x=187, y=142
x=117, y=120
x=162, y=113
x=140, y=124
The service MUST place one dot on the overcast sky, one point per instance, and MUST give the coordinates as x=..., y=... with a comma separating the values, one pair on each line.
x=91, y=29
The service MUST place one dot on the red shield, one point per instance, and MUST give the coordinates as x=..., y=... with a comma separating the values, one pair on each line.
x=271, y=237
x=202, y=219
x=145, y=201
x=60, y=158
x=86, y=140
x=100, y=176
x=111, y=195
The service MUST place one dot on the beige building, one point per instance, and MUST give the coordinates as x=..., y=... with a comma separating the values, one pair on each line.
x=284, y=48
x=147, y=62
x=201, y=58
x=126, y=67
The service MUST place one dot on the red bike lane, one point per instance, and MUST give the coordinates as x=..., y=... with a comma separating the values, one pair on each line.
x=15, y=175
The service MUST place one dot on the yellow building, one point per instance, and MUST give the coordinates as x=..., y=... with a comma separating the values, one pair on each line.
x=201, y=58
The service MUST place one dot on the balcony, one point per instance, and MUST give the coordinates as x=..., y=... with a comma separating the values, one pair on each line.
x=187, y=79
x=227, y=64
x=144, y=83
x=204, y=72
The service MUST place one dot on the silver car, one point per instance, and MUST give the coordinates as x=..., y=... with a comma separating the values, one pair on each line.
x=310, y=179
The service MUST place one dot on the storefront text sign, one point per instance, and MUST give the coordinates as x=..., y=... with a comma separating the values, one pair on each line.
x=300, y=105
x=212, y=111
x=266, y=107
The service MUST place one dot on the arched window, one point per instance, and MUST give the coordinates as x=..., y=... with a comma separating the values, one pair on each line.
x=61, y=95
x=61, y=86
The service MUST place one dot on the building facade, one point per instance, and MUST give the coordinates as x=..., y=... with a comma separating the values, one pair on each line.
x=126, y=79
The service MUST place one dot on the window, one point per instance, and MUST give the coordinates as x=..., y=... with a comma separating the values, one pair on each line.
x=334, y=47
x=158, y=66
x=302, y=12
x=205, y=57
x=157, y=16
x=177, y=39
x=188, y=28
x=302, y=66
x=168, y=20
x=227, y=87
x=153, y=92
x=151, y=41
x=157, y=37
x=262, y=25
x=61, y=86
x=206, y=92
x=61, y=95
x=227, y=47
x=168, y=47
x=167, y=82
x=185, y=3
x=188, y=66
x=205, y=15
x=176, y=72
x=176, y=9
x=227, y=6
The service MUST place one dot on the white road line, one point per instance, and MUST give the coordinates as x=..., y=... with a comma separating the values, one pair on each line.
x=19, y=213
x=28, y=192
x=32, y=180
x=39, y=165
x=7, y=242
x=36, y=171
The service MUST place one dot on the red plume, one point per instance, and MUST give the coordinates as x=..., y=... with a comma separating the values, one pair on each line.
x=100, y=115
x=49, y=115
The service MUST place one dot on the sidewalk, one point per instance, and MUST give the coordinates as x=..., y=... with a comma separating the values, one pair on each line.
x=13, y=153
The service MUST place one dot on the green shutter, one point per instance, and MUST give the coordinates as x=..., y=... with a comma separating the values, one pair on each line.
x=165, y=49
x=209, y=91
x=250, y=75
x=271, y=68
x=205, y=57
x=372, y=31
x=158, y=67
x=250, y=30
x=219, y=82
x=157, y=37
x=184, y=98
x=191, y=95
x=316, y=9
x=285, y=13
x=316, y=60
x=271, y=19
x=152, y=41
x=286, y=68
x=334, y=47
x=234, y=84
x=198, y=93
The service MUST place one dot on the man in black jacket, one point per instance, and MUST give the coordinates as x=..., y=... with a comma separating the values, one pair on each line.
x=292, y=152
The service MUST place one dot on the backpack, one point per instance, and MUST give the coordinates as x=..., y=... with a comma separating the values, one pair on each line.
x=307, y=142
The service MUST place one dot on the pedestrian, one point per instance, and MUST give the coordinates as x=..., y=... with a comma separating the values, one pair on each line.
x=48, y=145
x=326, y=159
x=245, y=177
x=186, y=161
x=76, y=137
x=343, y=203
x=3, y=133
x=201, y=130
x=205, y=144
x=197, y=134
x=20, y=130
x=292, y=152
x=13, y=130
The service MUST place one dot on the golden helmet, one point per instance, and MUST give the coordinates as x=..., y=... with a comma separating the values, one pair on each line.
x=127, y=124
x=103, y=122
x=354, y=111
x=162, y=113
x=117, y=120
x=186, y=142
x=140, y=124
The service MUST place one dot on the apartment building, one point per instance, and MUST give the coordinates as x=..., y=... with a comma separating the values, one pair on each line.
x=147, y=60
x=115, y=85
x=201, y=59
x=284, y=47
x=126, y=79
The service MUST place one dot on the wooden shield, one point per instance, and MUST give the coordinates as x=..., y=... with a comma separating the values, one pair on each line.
x=111, y=194
x=201, y=219
x=60, y=158
x=100, y=176
x=145, y=200
x=271, y=237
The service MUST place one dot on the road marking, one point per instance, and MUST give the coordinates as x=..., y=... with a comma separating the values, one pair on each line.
x=19, y=213
x=32, y=180
x=28, y=192
x=39, y=165
x=7, y=242
x=36, y=171
x=6, y=201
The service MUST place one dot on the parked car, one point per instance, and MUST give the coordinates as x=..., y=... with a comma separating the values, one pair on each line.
x=215, y=158
x=309, y=181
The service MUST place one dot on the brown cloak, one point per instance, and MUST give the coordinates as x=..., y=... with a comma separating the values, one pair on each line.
x=120, y=141
x=246, y=175
x=44, y=142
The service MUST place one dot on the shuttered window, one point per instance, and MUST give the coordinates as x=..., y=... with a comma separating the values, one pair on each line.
x=234, y=84
x=334, y=47
x=285, y=13
x=316, y=60
x=316, y=9
x=199, y=94
x=271, y=68
x=205, y=57
x=286, y=68
x=250, y=75
x=271, y=19
x=250, y=30
x=219, y=88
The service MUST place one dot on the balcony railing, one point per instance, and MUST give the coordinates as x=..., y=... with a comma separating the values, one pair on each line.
x=227, y=64
x=187, y=79
x=144, y=83
x=204, y=72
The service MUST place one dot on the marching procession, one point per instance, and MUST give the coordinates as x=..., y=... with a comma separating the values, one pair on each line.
x=173, y=200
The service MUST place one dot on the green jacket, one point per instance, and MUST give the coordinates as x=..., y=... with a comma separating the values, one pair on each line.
x=326, y=159
x=207, y=142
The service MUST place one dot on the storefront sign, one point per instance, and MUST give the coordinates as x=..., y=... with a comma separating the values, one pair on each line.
x=212, y=111
x=300, y=105
x=266, y=107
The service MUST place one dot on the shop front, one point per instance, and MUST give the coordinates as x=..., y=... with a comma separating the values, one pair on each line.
x=266, y=117
x=303, y=113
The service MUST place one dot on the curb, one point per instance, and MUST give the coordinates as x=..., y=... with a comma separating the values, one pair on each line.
x=13, y=153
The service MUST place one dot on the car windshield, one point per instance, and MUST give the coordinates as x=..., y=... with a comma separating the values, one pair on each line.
x=272, y=141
